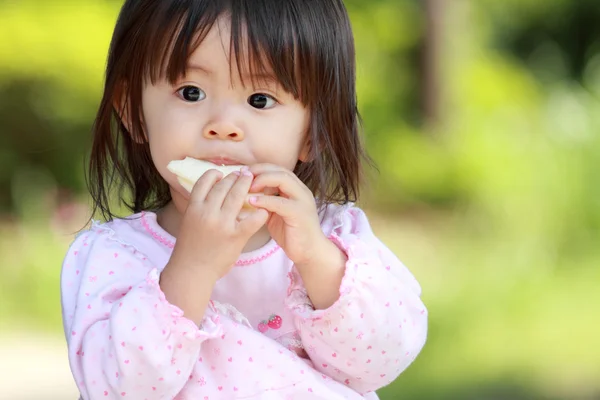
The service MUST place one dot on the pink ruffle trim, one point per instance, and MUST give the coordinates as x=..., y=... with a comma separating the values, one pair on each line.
x=210, y=326
x=298, y=300
x=169, y=243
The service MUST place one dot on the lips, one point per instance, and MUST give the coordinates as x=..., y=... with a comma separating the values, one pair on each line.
x=223, y=161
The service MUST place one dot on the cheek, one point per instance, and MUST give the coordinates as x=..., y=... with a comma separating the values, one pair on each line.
x=293, y=125
x=301, y=131
x=171, y=131
x=165, y=118
x=291, y=132
x=163, y=129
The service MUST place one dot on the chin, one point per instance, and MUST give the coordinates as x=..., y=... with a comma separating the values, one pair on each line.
x=180, y=198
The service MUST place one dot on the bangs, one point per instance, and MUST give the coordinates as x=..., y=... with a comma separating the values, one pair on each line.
x=266, y=40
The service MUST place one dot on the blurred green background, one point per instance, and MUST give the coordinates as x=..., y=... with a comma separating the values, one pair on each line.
x=482, y=116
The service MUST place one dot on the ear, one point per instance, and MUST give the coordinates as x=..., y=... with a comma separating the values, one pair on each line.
x=123, y=108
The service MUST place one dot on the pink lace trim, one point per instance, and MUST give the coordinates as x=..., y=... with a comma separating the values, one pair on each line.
x=210, y=326
x=297, y=299
x=155, y=234
x=254, y=260
x=170, y=244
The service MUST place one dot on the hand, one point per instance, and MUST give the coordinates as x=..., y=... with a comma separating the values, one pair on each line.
x=209, y=241
x=211, y=237
x=293, y=222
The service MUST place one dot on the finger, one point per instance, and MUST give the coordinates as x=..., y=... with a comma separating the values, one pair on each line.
x=205, y=184
x=281, y=206
x=253, y=222
x=258, y=169
x=235, y=199
x=285, y=183
x=217, y=194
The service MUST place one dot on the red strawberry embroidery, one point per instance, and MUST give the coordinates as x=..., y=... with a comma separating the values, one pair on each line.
x=263, y=327
x=274, y=322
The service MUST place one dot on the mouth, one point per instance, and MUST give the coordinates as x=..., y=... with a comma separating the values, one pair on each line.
x=223, y=161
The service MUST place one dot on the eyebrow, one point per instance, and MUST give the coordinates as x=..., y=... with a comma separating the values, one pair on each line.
x=264, y=78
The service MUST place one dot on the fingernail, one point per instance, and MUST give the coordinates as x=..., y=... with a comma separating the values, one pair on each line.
x=253, y=199
x=246, y=171
x=236, y=173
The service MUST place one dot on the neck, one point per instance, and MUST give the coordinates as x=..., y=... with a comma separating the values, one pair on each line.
x=169, y=218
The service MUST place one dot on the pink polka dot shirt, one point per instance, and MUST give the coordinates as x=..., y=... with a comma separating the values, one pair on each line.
x=260, y=338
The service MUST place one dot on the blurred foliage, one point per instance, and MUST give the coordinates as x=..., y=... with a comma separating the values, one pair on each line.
x=496, y=209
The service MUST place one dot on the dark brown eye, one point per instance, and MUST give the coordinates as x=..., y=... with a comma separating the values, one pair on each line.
x=191, y=94
x=261, y=101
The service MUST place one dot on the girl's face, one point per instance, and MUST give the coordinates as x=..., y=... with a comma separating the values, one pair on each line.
x=209, y=114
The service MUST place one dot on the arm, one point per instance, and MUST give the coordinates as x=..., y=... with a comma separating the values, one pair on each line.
x=123, y=336
x=377, y=326
x=189, y=289
x=323, y=276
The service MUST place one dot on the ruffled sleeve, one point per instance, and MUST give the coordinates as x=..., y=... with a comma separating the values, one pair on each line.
x=378, y=325
x=124, y=338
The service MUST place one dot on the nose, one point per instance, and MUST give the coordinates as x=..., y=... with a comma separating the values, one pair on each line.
x=223, y=129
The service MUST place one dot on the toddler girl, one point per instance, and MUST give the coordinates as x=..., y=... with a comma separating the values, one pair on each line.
x=188, y=299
